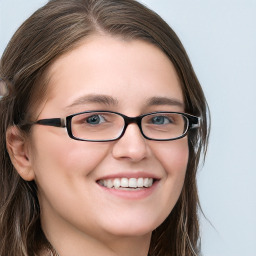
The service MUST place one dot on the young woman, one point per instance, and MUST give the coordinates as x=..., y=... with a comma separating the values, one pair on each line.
x=102, y=128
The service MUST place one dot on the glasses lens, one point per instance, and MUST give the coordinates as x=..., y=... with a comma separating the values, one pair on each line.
x=164, y=126
x=97, y=126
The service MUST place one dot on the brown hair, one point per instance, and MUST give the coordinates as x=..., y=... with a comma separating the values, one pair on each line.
x=51, y=31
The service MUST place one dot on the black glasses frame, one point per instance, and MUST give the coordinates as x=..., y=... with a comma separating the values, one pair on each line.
x=192, y=122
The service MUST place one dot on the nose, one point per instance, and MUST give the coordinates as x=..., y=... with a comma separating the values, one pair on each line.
x=132, y=145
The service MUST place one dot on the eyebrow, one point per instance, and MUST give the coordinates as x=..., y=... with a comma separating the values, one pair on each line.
x=94, y=98
x=158, y=101
x=110, y=101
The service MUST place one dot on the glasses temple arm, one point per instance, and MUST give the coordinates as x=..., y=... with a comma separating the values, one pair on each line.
x=57, y=122
x=195, y=124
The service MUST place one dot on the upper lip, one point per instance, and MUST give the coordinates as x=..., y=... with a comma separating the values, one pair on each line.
x=129, y=175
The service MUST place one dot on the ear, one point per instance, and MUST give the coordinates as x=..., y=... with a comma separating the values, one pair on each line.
x=18, y=150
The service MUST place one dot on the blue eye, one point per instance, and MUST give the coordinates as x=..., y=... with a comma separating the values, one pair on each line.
x=159, y=120
x=95, y=119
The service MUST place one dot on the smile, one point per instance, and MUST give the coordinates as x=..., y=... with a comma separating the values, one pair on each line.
x=126, y=183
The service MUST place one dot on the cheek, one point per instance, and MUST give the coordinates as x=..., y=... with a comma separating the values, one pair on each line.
x=63, y=171
x=83, y=156
x=57, y=157
x=173, y=156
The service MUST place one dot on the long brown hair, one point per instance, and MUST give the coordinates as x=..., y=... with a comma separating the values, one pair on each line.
x=51, y=31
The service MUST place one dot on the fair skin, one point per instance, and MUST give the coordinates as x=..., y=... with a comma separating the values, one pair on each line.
x=80, y=216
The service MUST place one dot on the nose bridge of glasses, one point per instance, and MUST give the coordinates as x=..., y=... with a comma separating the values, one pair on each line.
x=131, y=120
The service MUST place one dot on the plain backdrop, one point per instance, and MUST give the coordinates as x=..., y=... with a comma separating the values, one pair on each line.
x=220, y=38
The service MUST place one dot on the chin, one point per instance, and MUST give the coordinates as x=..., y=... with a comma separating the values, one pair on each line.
x=134, y=227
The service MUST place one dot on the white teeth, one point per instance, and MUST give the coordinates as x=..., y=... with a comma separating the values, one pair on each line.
x=140, y=182
x=124, y=182
x=117, y=183
x=127, y=183
x=109, y=183
x=132, y=183
x=146, y=183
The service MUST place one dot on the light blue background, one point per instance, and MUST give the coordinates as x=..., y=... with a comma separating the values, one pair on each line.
x=220, y=38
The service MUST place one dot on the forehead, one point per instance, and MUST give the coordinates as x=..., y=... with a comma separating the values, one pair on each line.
x=131, y=72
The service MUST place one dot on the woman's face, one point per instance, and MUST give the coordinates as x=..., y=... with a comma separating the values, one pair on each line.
x=129, y=77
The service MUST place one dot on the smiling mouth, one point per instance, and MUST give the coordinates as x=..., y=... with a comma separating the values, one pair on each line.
x=127, y=183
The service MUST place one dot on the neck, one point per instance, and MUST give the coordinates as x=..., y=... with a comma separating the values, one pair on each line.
x=74, y=242
x=69, y=239
x=122, y=246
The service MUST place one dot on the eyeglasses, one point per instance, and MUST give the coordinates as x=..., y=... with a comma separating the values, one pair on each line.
x=101, y=126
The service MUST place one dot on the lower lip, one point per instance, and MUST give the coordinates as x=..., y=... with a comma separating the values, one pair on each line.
x=131, y=194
